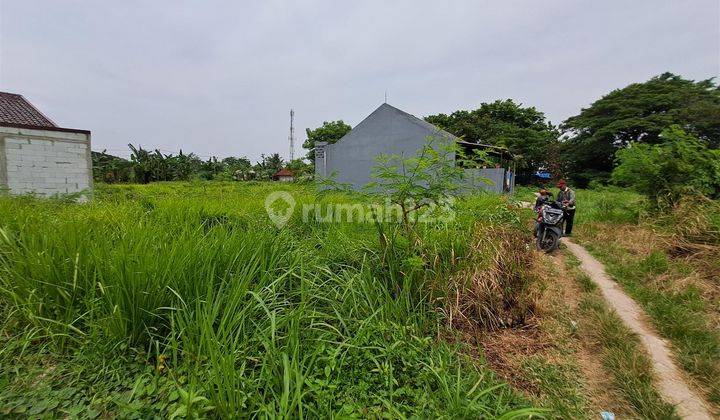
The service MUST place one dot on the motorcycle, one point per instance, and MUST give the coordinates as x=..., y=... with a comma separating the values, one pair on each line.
x=548, y=229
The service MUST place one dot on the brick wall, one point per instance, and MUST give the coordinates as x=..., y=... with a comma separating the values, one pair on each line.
x=46, y=163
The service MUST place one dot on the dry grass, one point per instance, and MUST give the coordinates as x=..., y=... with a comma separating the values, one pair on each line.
x=691, y=222
x=498, y=288
x=691, y=231
x=554, y=358
x=639, y=242
x=505, y=349
x=565, y=295
x=671, y=266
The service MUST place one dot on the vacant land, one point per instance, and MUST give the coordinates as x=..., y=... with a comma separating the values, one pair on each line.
x=668, y=261
x=185, y=299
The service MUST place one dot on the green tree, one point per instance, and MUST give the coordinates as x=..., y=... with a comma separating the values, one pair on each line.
x=329, y=132
x=237, y=168
x=414, y=183
x=300, y=167
x=524, y=131
x=211, y=168
x=268, y=166
x=638, y=113
x=681, y=164
x=109, y=168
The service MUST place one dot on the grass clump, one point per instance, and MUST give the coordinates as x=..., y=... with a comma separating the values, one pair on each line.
x=184, y=299
x=681, y=315
x=497, y=288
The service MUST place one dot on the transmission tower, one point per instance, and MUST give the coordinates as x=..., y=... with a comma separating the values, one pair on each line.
x=292, y=135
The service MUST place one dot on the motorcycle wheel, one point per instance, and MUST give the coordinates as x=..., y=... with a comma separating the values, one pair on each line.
x=548, y=241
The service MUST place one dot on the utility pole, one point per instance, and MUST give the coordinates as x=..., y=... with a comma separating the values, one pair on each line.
x=292, y=135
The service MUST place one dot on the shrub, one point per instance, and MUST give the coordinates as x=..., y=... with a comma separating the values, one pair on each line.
x=692, y=228
x=665, y=172
x=498, y=287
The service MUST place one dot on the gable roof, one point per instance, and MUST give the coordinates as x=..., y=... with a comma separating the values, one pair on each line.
x=15, y=109
x=18, y=112
x=386, y=110
x=415, y=120
x=284, y=172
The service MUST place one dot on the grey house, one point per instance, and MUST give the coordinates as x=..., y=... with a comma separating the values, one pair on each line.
x=388, y=130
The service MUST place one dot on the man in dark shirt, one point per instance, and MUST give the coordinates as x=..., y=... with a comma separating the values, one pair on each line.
x=566, y=196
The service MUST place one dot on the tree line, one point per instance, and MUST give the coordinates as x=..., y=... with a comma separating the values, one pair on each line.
x=145, y=166
x=666, y=117
x=661, y=137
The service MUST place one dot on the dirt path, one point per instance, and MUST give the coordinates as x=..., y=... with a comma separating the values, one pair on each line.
x=670, y=381
x=600, y=390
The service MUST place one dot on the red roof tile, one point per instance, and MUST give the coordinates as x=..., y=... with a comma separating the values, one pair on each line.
x=14, y=109
x=284, y=172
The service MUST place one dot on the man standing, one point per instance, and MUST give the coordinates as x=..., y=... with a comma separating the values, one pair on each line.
x=566, y=196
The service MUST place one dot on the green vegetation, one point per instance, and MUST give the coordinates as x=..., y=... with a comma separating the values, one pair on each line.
x=638, y=113
x=666, y=172
x=668, y=262
x=620, y=352
x=524, y=131
x=544, y=358
x=575, y=356
x=145, y=166
x=630, y=121
x=560, y=385
x=417, y=182
x=182, y=299
x=329, y=132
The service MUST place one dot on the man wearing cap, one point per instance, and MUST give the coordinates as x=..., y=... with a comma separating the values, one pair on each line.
x=566, y=196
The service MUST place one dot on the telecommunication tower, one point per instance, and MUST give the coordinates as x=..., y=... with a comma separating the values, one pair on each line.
x=292, y=134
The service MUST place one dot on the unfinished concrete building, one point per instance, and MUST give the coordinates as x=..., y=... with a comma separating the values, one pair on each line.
x=37, y=156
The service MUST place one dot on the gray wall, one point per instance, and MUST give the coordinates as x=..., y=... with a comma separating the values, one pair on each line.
x=389, y=130
x=44, y=161
x=3, y=165
x=386, y=131
x=477, y=179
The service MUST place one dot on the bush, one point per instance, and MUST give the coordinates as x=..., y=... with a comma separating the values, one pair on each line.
x=681, y=165
x=692, y=225
x=499, y=287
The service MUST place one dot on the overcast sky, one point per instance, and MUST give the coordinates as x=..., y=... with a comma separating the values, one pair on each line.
x=219, y=77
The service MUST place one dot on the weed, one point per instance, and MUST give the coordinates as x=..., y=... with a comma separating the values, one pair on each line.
x=497, y=287
x=184, y=299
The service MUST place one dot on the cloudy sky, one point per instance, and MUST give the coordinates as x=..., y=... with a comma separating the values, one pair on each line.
x=219, y=77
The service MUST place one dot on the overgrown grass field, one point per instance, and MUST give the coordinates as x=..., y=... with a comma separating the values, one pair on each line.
x=184, y=299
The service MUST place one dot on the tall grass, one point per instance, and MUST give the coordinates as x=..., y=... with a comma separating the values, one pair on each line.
x=305, y=321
